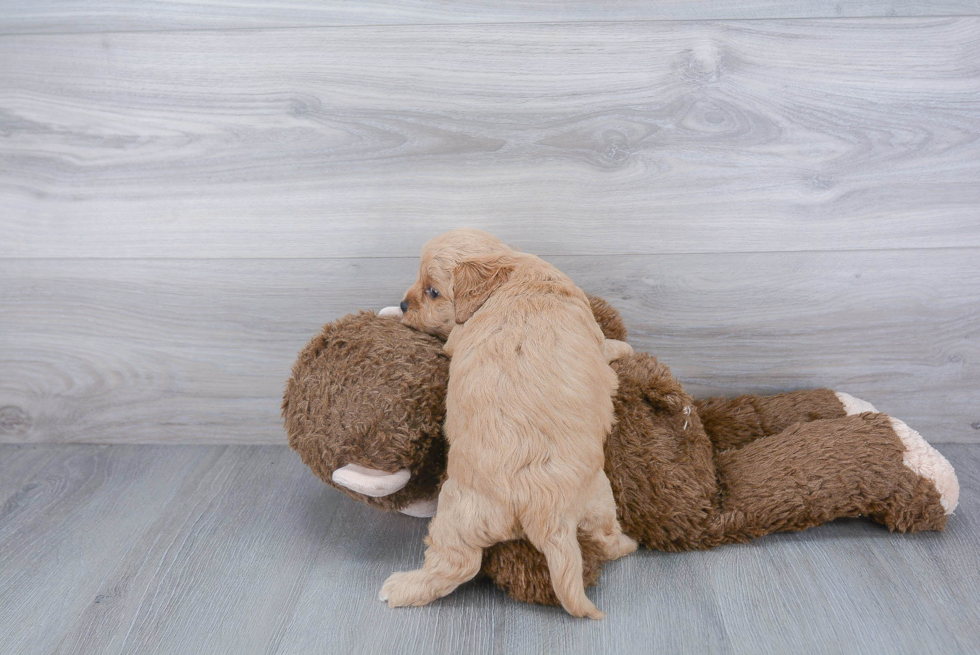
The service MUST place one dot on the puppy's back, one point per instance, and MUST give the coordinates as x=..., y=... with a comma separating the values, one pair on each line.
x=529, y=385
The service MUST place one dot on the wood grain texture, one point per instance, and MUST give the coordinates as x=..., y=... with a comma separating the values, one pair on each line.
x=131, y=550
x=161, y=351
x=219, y=567
x=578, y=138
x=67, y=526
x=45, y=16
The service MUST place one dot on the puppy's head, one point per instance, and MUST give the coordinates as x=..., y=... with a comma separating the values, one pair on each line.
x=462, y=264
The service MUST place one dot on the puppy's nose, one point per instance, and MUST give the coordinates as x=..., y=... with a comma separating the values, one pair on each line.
x=404, y=306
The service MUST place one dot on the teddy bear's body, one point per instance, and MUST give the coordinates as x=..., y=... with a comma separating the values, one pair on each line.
x=368, y=395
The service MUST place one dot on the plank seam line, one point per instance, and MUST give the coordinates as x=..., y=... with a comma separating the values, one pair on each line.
x=540, y=254
x=496, y=23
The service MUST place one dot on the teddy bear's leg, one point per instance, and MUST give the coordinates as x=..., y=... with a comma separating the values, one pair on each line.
x=818, y=471
x=734, y=422
x=463, y=526
x=919, y=457
x=521, y=570
x=600, y=521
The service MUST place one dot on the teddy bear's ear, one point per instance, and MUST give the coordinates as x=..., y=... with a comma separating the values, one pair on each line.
x=474, y=281
x=609, y=320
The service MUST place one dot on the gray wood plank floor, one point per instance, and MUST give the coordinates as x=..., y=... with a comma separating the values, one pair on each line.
x=239, y=549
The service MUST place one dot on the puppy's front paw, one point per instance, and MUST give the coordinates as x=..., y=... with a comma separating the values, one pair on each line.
x=615, y=349
x=403, y=589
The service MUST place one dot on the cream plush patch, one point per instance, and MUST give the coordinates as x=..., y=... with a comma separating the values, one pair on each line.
x=926, y=461
x=920, y=458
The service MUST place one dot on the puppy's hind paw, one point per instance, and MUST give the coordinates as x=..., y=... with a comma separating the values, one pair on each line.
x=620, y=546
x=586, y=611
x=406, y=588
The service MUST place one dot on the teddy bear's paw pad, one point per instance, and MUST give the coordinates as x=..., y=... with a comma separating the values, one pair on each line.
x=370, y=482
x=421, y=509
x=927, y=462
x=391, y=311
x=854, y=405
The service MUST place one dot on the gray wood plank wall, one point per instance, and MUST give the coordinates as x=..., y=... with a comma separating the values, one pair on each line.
x=46, y=16
x=784, y=202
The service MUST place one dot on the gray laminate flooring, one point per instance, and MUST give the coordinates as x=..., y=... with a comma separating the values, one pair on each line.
x=240, y=549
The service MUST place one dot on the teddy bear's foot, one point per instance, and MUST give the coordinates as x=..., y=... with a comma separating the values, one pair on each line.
x=927, y=462
x=919, y=457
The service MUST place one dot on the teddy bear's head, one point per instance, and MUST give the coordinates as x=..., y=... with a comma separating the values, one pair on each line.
x=364, y=408
x=365, y=405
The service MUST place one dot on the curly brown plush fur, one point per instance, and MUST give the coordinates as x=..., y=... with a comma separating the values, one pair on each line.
x=686, y=474
x=372, y=392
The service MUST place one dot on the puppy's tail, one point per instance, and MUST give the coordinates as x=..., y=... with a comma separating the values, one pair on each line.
x=560, y=547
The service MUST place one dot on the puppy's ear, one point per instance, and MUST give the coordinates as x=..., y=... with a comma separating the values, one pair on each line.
x=473, y=282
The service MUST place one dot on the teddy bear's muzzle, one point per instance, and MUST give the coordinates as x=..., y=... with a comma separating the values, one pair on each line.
x=375, y=483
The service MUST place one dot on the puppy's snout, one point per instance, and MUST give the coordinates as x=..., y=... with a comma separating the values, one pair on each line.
x=404, y=306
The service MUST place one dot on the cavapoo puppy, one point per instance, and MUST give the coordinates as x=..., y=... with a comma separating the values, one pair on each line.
x=528, y=408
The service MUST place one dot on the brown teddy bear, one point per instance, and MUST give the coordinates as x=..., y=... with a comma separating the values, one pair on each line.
x=366, y=402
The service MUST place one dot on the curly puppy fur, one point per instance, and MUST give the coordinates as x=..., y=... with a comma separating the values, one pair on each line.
x=528, y=408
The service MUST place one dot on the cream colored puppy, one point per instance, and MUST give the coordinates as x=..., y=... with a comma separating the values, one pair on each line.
x=528, y=408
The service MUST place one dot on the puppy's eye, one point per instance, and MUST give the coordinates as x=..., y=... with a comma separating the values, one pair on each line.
x=432, y=293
